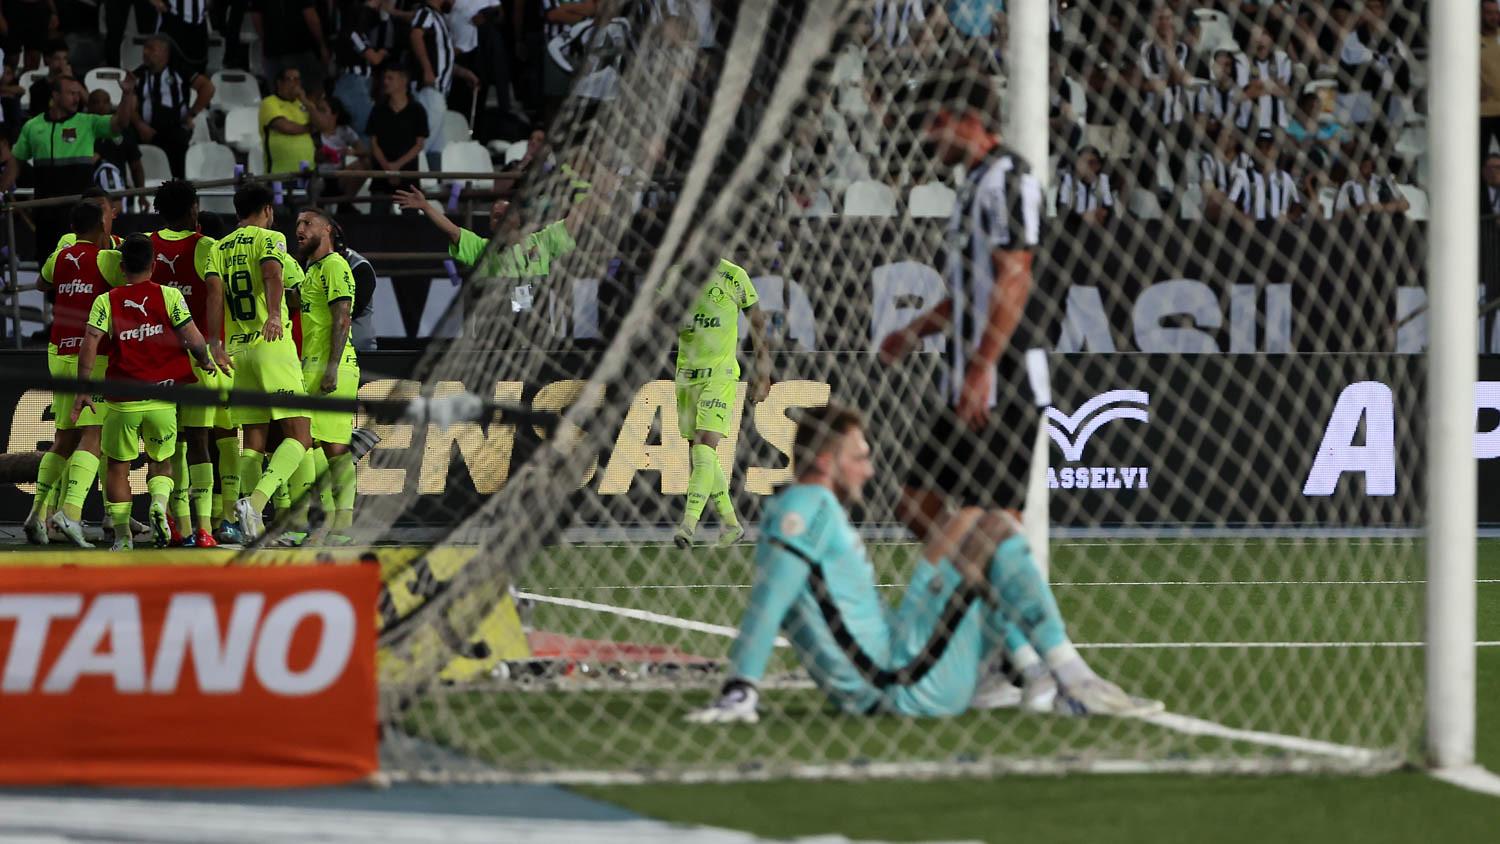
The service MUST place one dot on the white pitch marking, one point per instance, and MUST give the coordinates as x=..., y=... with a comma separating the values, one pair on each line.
x=643, y=615
x=1199, y=727
x=1080, y=583
x=1471, y=777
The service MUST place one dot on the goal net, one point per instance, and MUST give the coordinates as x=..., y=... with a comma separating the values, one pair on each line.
x=1229, y=289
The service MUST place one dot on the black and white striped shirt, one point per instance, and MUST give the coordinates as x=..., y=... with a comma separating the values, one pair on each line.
x=1075, y=196
x=1220, y=172
x=189, y=11
x=360, y=35
x=439, y=44
x=1270, y=110
x=550, y=28
x=108, y=176
x=165, y=94
x=1353, y=194
x=1224, y=106
x=1168, y=105
x=1264, y=196
x=998, y=208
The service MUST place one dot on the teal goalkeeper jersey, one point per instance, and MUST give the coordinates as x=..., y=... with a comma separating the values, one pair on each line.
x=803, y=525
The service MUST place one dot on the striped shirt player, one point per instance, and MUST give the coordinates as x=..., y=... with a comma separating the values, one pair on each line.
x=1361, y=194
x=995, y=226
x=430, y=29
x=1077, y=197
x=1169, y=105
x=1262, y=195
x=186, y=23
x=1224, y=106
x=1275, y=68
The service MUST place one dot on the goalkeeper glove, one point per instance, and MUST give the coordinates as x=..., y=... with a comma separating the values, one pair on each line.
x=735, y=705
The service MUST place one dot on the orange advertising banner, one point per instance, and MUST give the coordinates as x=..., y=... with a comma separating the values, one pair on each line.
x=174, y=675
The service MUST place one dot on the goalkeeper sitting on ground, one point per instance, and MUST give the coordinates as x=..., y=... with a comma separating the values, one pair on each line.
x=924, y=658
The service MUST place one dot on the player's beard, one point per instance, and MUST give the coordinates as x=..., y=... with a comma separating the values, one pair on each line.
x=308, y=248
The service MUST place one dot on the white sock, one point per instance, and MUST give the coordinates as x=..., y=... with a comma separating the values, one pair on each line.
x=1067, y=665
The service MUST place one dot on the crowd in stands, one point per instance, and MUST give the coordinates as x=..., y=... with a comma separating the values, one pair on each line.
x=188, y=88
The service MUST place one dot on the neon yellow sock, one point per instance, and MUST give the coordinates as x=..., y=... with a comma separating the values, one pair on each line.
x=700, y=483
x=47, y=477
x=342, y=489
x=82, y=469
x=286, y=462
x=160, y=488
x=201, y=488
x=299, y=485
x=118, y=513
x=252, y=468
x=229, y=476
x=181, y=515
x=326, y=498
x=720, y=496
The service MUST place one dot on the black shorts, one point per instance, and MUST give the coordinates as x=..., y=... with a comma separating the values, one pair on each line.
x=986, y=468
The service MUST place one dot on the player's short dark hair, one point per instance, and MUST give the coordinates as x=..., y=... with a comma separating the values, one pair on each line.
x=250, y=198
x=335, y=231
x=175, y=199
x=819, y=429
x=57, y=84
x=86, y=216
x=136, y=254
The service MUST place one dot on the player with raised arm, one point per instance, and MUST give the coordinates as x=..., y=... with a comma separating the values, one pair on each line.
x=245, y=283
x=182, y=256
x=708, y=372
x=149, y=325
x=814, y=582
x=78, y=273
x=978, y=451
x=329, y=368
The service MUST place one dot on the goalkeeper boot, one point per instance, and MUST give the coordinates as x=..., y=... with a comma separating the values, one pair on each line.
x=1097, y=696
x=71, y=530
x=203, y=539
x=734, y=705
x=36, y=529
x=730, y=535
x=161, y=526
x=252, y=524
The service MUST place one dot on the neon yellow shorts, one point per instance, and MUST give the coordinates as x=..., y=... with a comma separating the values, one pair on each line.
x=705, y=405
x=223, y=415
x=270, y=368
x=125, y=427
x=66, y=366
x=330, y=426
x=200, y=415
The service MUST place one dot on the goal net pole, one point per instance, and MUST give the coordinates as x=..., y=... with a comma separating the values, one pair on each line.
x=1452, y=273
x=1026, y=131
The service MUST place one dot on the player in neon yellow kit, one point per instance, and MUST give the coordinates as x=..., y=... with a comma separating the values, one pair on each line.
x=329, y=368
x=707, y=372
x=245, y=284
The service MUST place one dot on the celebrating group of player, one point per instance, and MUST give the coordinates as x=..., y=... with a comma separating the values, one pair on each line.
x=179, y=309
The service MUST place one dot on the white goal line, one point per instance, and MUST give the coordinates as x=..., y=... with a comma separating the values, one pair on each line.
x=1055, y=585
x=781, y=642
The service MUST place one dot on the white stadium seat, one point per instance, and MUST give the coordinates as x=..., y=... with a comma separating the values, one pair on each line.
x=455, y=127
x=1327, y=196
x=255, y=159
x=1418, y=199
x=932, y=199
x=1144, y=205
x=31, y=77
x=515, y=151
x=133, y=53
x=869, y=198
x=234, y=88
x=242, y=127
x=154, y=164
x=107, y=79
x=212, y=161
x=468, y=157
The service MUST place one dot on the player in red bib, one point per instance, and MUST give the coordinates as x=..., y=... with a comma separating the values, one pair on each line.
x=150, y=325
x=182, y=256
x=78, y=274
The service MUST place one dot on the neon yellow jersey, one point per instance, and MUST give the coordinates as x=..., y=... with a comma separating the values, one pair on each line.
x=328, y=280
x=710, y=333
x=238, y=259
x=63, y=243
